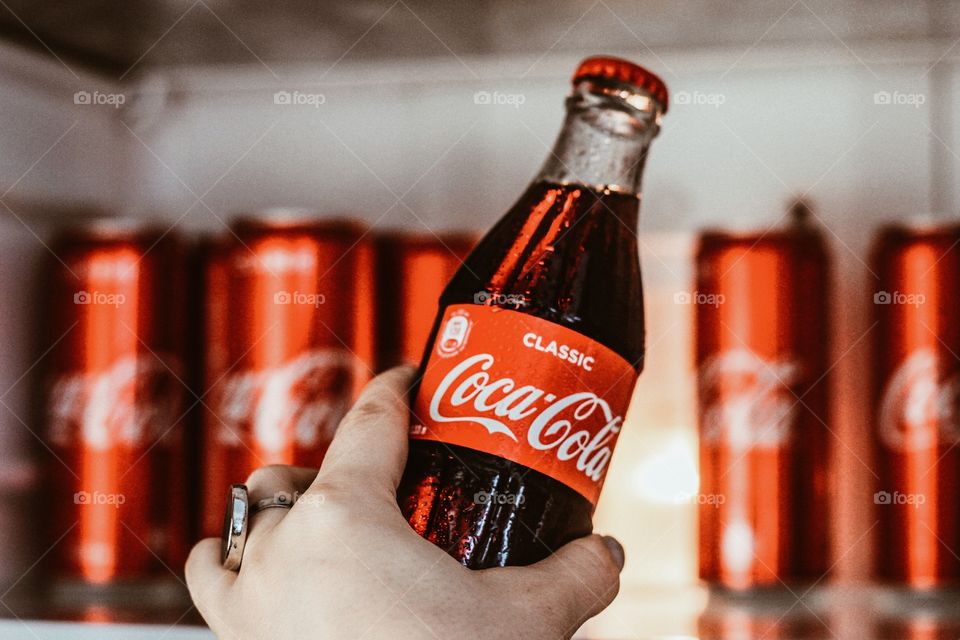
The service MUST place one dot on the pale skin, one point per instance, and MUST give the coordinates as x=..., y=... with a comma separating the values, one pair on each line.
x=343, y=562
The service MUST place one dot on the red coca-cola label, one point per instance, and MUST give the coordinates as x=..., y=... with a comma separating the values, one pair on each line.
x=522, y=388
x=746, y=400
x=920, y=407
x=298, y=403
x=134, y=401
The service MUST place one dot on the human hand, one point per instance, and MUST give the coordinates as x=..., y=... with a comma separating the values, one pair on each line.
x=344, y=563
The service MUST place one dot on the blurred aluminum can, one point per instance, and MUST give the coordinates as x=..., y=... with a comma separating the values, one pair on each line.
x=114, y=402
x=289, y=343
x=762, y=336
x=917, y=402
x=412, y=271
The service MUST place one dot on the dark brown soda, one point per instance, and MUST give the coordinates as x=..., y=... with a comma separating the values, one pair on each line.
x=566, y=254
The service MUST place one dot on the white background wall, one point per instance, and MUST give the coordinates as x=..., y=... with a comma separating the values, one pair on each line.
x=791, y=121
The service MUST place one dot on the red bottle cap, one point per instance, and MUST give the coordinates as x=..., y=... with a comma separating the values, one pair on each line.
x=608, y=68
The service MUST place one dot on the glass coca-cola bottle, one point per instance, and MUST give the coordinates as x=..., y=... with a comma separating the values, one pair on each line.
x=539, y=341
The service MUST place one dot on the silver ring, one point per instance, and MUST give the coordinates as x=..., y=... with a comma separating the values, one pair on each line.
x=236, y=521
x=279, y=500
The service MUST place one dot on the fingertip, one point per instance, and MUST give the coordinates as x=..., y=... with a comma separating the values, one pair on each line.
x=572, y=585
x=400, y=376
x=598, y=561
x=591, y=565
x=616, y=551
x=603, y=555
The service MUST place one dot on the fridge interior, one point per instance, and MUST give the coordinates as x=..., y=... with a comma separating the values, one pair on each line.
x=432, y=117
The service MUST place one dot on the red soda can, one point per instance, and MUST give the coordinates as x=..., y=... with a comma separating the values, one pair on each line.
x=917, y=414
x=114, y=402
x=289, y=344
x=412, y=271
x=762, y=358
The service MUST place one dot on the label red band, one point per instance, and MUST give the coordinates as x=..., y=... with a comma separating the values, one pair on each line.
x=525, y=389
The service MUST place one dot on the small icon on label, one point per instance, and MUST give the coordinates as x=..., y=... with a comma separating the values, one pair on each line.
x=454, y=335
x=417, y=430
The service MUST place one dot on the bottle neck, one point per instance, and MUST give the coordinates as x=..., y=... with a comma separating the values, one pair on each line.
x=604, y=140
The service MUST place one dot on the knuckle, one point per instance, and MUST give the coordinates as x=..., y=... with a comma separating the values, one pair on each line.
x=271, y=474
x=337, y=505
x=332, y=492
x=398, y=378
x=367, y=410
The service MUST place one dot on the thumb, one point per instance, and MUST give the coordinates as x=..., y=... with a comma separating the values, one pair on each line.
x=576, y=583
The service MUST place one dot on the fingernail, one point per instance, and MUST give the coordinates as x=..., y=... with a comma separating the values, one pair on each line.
x=615, y=549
